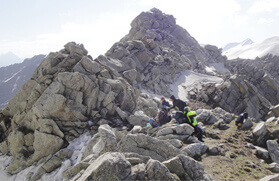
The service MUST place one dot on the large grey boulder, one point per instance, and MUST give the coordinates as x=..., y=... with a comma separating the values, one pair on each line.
x=270, y=178
x=160, y=150
x=260, y=134
x=103, y=141
x=46, y=144
x=155, y=170
x=186, y=168
x=109, y=166
x=196, y=149
x=273, y=150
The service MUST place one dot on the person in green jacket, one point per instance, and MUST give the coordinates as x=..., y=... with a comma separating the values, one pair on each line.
x=191, y=118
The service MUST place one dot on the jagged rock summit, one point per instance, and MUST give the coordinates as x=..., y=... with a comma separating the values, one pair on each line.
x=71, y=94
x=66, y=91
x=155, y=50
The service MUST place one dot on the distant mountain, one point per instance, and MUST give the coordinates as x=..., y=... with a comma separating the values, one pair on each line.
x=14, y=76
x=9, y=59
x=232, y=45
x=249, y=50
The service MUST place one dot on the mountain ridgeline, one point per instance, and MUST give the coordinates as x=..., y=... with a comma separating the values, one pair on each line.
x=71, y=94
x=14, y=76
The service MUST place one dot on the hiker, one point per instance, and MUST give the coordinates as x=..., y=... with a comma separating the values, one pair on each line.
x=180, y=117
x=163, y=117
x=191, y=118
x=239, y=121
x=178, y=103
x=152, y=123
x=164, y=102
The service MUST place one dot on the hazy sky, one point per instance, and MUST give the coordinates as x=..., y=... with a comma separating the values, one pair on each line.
x=31, y=27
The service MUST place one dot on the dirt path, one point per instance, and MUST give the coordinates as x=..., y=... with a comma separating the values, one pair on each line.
x=237, y=161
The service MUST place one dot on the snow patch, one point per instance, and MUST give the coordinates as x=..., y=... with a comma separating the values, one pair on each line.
x=187, y=80
x=14, y=74
x=77, y=146
x=251, y=51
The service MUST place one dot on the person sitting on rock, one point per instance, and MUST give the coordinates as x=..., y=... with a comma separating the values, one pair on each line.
x=239, y=121
x=191, y=118
x=164, y=102
x=163, y=116
x=178, y=103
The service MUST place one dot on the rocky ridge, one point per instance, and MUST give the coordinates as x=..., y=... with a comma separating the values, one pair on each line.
x=71, y=94
x=14, y=76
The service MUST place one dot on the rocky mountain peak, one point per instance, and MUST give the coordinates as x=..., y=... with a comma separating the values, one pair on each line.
x=155, y=50
x=71, y=95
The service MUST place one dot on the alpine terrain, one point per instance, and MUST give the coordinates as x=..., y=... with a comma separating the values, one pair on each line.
x=250, y=50
x=14, y=76
x=83, y=118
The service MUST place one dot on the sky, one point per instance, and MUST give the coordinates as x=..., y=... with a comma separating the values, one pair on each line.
x=32, y=27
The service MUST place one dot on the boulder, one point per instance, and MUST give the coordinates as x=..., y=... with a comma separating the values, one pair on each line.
x=270, y=178
x=196, y=149
x=247, y=124
x=148, y=146
x=157, y=171
x=103, y=141
x=274, y=167
x=109, y=166
x=45, y=144
x=262, y=153
x=186, y=168
x=16, y=142
x=138, y=119
x=273, y=150
x=130, y=75
x=260, y=134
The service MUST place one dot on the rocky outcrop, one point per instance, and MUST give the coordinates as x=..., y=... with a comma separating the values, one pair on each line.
x=136, y=157
x=67, y=90
x=155, y=50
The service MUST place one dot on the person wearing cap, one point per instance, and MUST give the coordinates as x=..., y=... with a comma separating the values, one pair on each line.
x=178, y=103
x=164, y=102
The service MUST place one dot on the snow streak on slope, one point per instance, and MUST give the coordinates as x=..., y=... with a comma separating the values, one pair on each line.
x=188, y=80
x=77, y=146
x=251, y=51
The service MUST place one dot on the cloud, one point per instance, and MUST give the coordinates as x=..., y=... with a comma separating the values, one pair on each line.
x=261, y=6
x=265, y=20
x=97, y=36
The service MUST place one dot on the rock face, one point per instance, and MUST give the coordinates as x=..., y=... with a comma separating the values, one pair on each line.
x=53, y=107
x=252, y=88
x=155, y=50
x=70, y=94
x=136, y=157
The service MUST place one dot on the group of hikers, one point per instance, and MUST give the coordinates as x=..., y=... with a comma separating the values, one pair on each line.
x=184, y=115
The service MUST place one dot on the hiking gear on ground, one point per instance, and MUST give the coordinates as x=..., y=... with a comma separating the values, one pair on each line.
x=153, y=123
x=239, y=124
x=180, y=117
x=148, y=125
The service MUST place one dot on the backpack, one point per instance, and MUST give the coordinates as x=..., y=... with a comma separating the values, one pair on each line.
x=180, y=117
